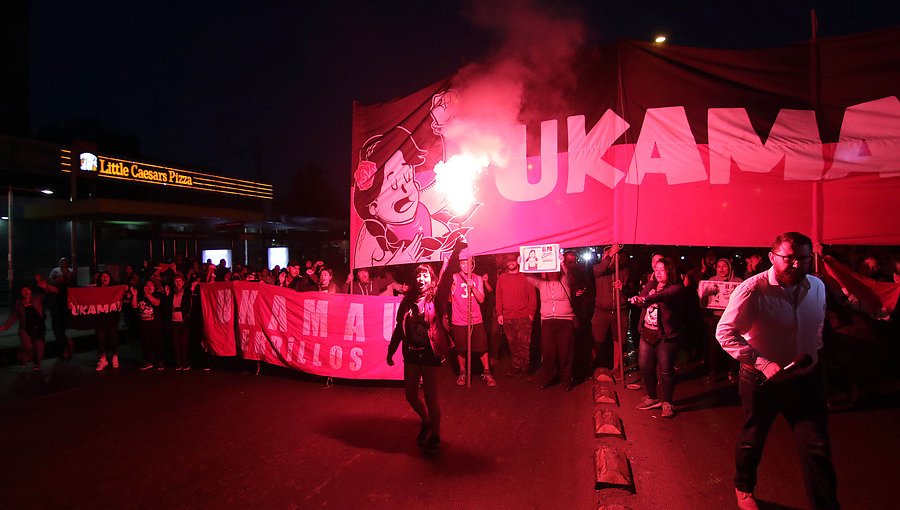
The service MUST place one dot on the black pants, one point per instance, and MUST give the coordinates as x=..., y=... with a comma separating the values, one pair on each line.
x=557, y=349
x=658, y=359
x=802, y=401
x=152, y=342
x=108, y=337
x=180, y=343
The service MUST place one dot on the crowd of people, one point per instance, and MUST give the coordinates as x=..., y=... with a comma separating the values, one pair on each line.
x=724, y=314
x=557, y=327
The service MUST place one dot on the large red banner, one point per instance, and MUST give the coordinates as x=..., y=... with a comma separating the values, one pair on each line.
x=656, y=145
x=335, y=335
x=89, y=307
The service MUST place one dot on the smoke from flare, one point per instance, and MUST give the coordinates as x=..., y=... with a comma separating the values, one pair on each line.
x=457, y=178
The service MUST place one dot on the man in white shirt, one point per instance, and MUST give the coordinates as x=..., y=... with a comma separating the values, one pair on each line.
x=773, y=327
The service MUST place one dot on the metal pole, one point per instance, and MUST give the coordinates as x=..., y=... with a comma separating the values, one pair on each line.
x=618, y=347
x=73, y=196
x=93, y=247
x=9, y=242
x=469, y=329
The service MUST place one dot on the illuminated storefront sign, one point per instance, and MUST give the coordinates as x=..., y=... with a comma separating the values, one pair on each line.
x=114, y=168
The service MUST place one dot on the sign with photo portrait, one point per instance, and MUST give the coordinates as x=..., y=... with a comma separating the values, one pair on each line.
x=539, y=258
x=715, y=295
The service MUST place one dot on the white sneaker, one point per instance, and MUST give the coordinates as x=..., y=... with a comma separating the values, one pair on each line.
x=667, y=410
x=101, y=364
x=115, y=361
x=649, y=403
x=745, y=500
x=461, y=380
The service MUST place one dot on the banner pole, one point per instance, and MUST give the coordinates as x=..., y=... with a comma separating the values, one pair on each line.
x=618, y=347
x=469, y=329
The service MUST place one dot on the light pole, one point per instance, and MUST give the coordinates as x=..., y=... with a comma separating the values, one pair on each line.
x=9, y=231
x=9, y=240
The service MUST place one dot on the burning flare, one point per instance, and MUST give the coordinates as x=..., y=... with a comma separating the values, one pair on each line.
x=457, y=177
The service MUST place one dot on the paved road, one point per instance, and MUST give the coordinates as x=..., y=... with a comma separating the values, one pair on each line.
x=222, y=439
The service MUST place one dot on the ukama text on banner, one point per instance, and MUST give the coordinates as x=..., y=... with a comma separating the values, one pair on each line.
x=90, y=307
x=656, y=144
x=335, y=335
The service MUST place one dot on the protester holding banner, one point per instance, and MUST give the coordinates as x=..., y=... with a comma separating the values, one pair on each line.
x=582, y=297
x=363, y=284
x=425, y=343
x=29, y=312
x=557, y=329
x=714, y=355
x=107, y=331
x=609, y=324
x=662, y=325
x=326, y=281
x=466, y=296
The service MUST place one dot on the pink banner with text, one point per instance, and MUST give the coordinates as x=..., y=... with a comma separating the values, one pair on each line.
x=335, y=335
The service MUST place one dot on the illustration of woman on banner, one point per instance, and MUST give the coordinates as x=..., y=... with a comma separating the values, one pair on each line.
x=404, y=219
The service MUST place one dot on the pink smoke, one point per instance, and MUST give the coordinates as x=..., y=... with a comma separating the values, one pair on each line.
x=525, y=80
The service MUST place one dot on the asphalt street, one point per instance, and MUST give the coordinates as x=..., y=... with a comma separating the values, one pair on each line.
x=73, y=438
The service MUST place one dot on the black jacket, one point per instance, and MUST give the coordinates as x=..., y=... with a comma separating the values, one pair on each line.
x=673, y=309
x=187, y=306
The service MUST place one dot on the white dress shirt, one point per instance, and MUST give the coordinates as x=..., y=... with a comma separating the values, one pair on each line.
x=767, y=325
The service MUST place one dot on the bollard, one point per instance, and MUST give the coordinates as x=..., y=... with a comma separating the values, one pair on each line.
x=612, y=469
x=607, y=423
x=604, y=375
x=605, y=394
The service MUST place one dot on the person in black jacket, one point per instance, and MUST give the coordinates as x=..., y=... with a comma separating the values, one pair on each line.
x=425, y=344
x=662, y=325
x=178, y=307
x=582, y=297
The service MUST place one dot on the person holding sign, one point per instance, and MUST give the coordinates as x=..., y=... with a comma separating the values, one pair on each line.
x=709, y=295
x=557, y=328
x=425, y=344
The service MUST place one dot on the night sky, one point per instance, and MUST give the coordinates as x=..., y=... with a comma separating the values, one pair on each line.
x=262, y=89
